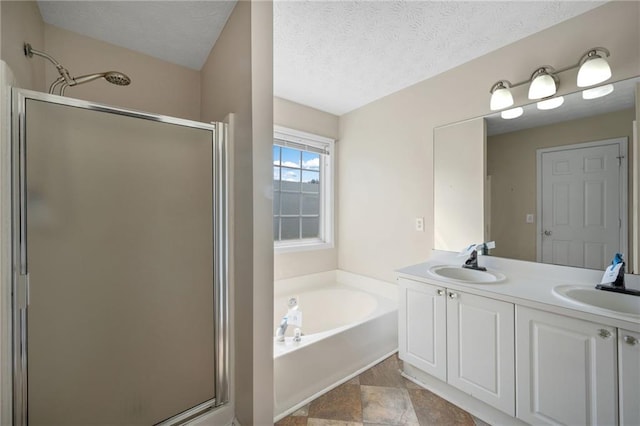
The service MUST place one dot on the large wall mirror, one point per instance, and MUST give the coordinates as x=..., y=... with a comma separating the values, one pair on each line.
x=558, y=186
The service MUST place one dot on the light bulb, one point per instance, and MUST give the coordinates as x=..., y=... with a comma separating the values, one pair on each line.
x=551, y=103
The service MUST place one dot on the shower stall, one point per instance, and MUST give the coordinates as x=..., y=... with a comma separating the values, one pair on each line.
x=119, y=219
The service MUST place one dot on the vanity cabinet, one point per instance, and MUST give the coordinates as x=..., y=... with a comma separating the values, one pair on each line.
x=480, y=347
x=566, y=370
x=459, y=338
x=629, y=376
x=422, y=339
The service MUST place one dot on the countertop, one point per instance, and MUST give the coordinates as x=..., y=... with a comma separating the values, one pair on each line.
x=529, y=284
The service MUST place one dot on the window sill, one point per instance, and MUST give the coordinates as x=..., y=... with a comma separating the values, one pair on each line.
x=295, y=246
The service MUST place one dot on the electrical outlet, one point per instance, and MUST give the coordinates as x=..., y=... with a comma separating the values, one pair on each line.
x=419, y=224
x=529, y=217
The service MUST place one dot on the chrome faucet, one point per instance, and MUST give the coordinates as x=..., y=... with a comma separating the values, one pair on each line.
x=282, y=329
x=618, y=285
x=472, y=262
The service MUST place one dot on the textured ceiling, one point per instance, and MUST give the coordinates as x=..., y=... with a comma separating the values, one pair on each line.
x=181, y=32
x=338, y=56
x=332, y=55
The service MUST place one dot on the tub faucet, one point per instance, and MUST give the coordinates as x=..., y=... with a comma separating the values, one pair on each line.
x=282, y=329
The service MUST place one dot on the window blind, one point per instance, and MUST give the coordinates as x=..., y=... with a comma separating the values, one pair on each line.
x=301, y=146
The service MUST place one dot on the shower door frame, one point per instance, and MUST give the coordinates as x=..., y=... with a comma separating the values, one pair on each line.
x=20, y=270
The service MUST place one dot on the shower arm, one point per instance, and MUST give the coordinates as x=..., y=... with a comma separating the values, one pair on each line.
x=30, y=51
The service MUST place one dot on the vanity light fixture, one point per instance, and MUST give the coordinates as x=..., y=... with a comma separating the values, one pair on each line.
x=597, y=92
x=510, y=114
x=551, y=103
x=594, y=68
x=501, y=96
x=544, y=81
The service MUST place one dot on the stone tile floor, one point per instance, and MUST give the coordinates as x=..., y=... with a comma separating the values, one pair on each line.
x=380, y=396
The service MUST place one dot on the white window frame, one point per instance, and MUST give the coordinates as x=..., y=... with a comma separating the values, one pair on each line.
x=326, y=191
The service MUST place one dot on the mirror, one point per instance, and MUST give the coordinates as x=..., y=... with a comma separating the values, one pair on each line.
x=558, y=184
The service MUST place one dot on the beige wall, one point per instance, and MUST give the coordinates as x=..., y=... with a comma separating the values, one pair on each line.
x=262, y=105
x=156, y=86
x=21, y=22
x=386, y=147
x=236, y=78
x=300, y=117
x=511, y=163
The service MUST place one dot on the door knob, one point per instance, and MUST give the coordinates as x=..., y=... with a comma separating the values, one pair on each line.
x=440, y=292
x=605, y=334
x=453, y=295
x=547, y=233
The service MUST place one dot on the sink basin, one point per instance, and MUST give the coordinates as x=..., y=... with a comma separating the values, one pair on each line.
x=612, y=302
x=464, y=275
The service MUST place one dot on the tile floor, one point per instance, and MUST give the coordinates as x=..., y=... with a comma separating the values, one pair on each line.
x=380, y=396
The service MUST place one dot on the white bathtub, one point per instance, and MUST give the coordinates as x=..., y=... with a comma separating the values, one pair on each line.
x=350, y=323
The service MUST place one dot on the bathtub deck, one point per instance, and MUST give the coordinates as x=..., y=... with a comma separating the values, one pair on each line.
x=380, y=395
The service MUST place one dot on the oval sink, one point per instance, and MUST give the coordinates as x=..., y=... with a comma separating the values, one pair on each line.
x=614, y=302
x=464, y=275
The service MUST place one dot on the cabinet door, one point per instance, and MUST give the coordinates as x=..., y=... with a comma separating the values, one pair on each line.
x=422, y=323
x=629, y=376
x=480, y=342
x=566, y=370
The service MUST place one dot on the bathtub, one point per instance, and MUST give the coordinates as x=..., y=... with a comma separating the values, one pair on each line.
x=350, y=323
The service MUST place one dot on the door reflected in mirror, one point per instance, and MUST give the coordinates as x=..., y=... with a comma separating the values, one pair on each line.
x=560, y=182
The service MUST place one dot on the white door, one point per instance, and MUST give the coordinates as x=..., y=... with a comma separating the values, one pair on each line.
x=422, y=335
x=629, y=371
x=581, y=203
x=566, y=370
x=480, y=345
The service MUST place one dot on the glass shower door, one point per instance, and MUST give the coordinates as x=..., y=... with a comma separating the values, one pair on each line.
x=119, y=242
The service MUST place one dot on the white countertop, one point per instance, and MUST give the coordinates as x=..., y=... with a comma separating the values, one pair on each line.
x=530, y=284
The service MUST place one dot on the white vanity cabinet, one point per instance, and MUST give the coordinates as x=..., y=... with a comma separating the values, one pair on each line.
x=480, y=347
x=459, y=338
x=422, y=339
x=629, y=376
x=566, y=370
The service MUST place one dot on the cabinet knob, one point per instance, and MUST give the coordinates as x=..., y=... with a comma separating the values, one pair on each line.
x=453, y=295
x=604, y=333
x=547, y=233
x=440, y=292
x=630, y=340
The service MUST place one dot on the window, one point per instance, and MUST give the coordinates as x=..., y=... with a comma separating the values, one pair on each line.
x=302, y=190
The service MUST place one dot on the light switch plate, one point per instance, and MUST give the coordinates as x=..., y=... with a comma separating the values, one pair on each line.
x=419, y=224
x=529, y=217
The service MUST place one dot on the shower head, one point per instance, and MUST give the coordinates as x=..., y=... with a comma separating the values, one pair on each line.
x=117, y=78
x=113, y=77
x=65, y=80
